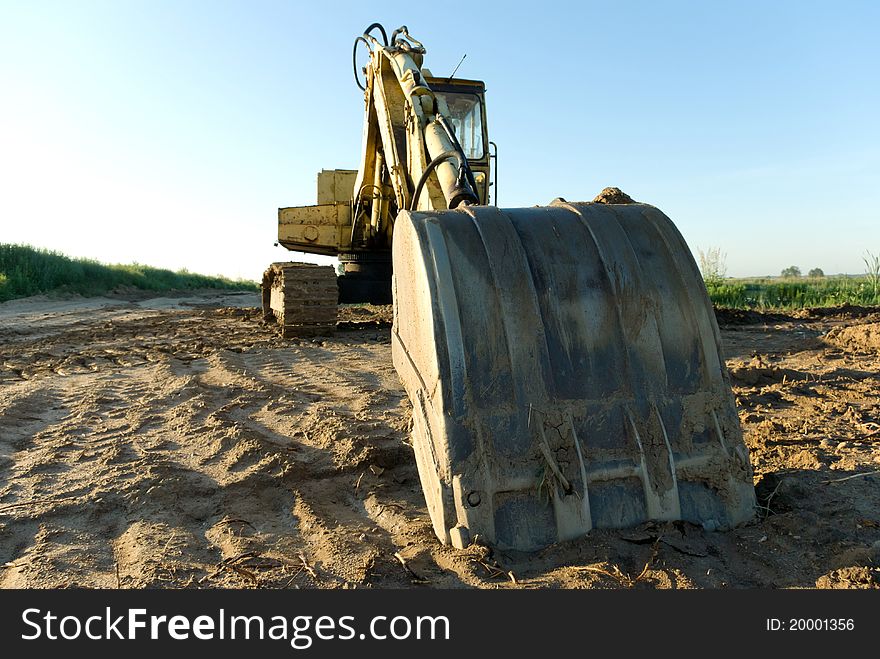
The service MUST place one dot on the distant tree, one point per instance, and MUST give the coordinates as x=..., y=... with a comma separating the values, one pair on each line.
x=816, y=272
x=713, y=265
x=791, y=271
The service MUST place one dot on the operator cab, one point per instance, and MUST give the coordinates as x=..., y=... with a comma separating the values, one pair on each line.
x=467, y=114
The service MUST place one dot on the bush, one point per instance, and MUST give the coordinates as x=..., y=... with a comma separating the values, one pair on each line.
x=791, y=271
x=713, y=266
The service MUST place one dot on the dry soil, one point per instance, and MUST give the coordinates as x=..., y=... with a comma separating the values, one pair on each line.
x=177, y=442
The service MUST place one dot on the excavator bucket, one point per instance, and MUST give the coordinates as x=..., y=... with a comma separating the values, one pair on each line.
x=565, y=372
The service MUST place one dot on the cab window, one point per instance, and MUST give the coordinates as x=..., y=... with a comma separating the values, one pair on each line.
x=466, y=117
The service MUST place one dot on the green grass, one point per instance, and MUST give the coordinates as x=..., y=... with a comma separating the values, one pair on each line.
x=26, y=270
x=793, y=293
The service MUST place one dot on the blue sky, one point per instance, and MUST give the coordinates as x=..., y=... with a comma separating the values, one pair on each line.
x=169, y=133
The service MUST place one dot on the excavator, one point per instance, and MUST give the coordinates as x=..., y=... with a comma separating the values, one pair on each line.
x=563, y=361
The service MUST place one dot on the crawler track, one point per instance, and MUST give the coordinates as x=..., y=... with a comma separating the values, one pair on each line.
x=301, y=298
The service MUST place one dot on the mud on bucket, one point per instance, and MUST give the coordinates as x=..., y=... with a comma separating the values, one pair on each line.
x=564, y=367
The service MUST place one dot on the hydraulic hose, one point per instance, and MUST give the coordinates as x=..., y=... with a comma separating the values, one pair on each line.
x=354, y=65
x=381, y=29
x=446, y=155
x=364, y=39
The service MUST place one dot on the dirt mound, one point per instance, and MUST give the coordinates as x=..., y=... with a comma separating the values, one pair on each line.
x=730, y=317
x=850, y=577
x=843, y=312
x=352, y=316
x=758, y=372
x=856, y=337
x=613, y=196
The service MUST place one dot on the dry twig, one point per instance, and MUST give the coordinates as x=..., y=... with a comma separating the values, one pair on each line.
x=766, y=505
x=846, y=478
x=308, y=568
x=621, y=577
x=231, y=564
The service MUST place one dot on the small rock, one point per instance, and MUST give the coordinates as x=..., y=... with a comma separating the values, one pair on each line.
x=825, y=443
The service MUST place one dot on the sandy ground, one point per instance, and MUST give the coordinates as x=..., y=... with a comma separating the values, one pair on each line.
x=177, y=442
